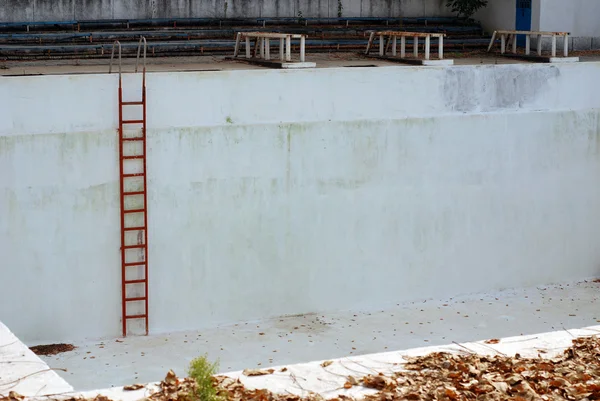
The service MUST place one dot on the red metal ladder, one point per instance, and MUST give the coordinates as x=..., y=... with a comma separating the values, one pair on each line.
x=133, y=201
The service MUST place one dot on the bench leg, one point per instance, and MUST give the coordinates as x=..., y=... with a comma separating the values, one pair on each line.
x=492, y=41
x=237, y=44
x=416, y=47
x=370, y=42
x=267, y=49
x=256, y=44
x=402, y=47
x=262, y=48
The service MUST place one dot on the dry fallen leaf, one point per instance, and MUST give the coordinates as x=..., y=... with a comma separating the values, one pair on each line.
x=326, y=363
x=257, y=372
x=347, y=385
x=133, y=387
x=492, y=341
x=12, y=396
x=283, y=370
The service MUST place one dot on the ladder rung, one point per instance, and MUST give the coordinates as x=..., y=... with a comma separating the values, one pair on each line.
x=134, y=228
x=132, y=103
x=133, y=175
x=133, y=157
x=135, y=299
x=135, y=281
x=135, y=317
x=135, y=138
x=134, y=246
x=132, y=121
x=134, y=193
x=134, y=211
x=134, y=264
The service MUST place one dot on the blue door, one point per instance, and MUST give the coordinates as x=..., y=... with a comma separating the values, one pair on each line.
x=523, y=20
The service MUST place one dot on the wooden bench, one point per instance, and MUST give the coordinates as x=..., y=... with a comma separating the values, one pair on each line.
x=510, y=38
x=386, y=36
x=262, y=45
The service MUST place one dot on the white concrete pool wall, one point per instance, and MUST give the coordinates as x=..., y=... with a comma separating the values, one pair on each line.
x=285, y=192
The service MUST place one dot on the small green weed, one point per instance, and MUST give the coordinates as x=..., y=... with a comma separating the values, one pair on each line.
x=202, y=371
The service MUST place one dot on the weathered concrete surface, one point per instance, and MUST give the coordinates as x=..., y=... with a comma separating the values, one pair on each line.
x=219, y=63
x=51, y=10
x=99, y=364
x=328, y=381
x=22, y=371
x=286, y=192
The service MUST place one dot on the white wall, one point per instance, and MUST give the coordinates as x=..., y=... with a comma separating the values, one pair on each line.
x=501, y=14
x=282, y=192
x=580, y=17
x=498, y=14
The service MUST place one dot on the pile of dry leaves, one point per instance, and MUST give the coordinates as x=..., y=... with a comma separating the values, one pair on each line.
x=575, y=375
x=52, y=349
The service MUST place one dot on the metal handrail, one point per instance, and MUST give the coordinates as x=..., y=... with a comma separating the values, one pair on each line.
x=112, y=54
x=137, y=60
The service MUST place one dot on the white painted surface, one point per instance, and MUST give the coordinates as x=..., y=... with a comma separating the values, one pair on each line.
x=580, y=17
x=23, y=372
x=498, y=15
x=348, y=189
x=310, y=378
x=305, y=338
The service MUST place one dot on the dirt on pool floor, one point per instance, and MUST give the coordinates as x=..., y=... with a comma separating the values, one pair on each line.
x=52, y=349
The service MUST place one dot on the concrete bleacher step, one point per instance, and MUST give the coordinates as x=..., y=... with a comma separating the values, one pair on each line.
x=329, y=34
x=110, y=36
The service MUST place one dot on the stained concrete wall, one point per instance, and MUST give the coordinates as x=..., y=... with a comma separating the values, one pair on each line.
x=56, y=10
x=284, y=192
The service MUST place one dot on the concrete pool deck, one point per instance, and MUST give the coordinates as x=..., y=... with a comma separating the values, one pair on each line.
x=226, y=63
x=282, y=341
